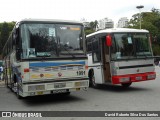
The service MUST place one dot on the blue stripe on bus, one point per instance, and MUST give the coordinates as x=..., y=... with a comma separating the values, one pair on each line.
x=47, y=64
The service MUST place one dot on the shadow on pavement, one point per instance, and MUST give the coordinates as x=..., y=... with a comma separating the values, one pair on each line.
x=50, y=99
x=119, y=88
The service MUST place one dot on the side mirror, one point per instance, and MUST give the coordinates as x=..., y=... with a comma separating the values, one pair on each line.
x=15, y=36
x=14, y=39
x=108, y=40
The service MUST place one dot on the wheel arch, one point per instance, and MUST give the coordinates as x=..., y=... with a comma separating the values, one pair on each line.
x=91, y=71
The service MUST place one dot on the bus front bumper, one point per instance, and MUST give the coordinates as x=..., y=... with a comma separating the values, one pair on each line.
x=133, y=78
x=54, y=87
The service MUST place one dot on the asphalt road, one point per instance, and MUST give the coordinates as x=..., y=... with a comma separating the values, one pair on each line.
x=142, y=96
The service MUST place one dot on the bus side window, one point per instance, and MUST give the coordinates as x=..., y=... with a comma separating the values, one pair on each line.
x=95, y=50
x=17, y=41
x=113, y=49
x=89, y=45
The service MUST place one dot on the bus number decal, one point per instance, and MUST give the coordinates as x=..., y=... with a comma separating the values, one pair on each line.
x=80, y=73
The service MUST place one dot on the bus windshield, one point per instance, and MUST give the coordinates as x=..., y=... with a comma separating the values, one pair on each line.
x=51, y=40
x=130, y=46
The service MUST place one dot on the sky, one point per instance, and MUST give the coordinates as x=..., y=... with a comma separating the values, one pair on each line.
x=90, y=10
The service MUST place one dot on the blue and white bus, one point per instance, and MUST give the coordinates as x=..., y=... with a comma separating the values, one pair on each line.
x=45, y=57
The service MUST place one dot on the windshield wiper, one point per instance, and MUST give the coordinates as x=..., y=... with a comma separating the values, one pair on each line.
x=143, y=54
x=64, y=47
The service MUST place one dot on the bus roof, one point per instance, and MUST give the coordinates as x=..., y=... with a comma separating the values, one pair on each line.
x=48, y=21
x=120, y=30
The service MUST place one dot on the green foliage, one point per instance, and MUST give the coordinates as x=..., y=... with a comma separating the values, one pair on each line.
x=5, y=30
x=156, y=49
x=93, y=25
x=151, y=22
x=4, y=33
x=88, y=31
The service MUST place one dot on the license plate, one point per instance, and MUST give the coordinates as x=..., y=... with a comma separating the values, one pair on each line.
x=139, y=78
x=59, y=91
x=59, y=85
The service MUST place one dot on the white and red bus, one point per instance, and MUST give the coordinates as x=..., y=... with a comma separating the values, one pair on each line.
x=120, y=56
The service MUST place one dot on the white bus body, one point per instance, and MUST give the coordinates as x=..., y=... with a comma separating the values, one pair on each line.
x=46, y=57
x=119, y=56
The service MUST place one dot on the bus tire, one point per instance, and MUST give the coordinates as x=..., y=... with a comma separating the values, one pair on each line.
x=17, y=93
x=12, y=87
x=19, y=97
x=125, y=85
x=92, y=80
x=66, y=94
x=13, y=84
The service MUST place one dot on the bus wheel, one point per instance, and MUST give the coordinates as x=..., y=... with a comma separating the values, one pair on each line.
x=126, y=85
x=66, y=94
x=92, y=81
x=12, y=87
x=18, y=96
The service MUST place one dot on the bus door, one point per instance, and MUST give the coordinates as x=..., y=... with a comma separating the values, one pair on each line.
x=96, y=58
x=105, y=61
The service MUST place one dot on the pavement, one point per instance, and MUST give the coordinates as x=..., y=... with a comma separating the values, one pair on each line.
x=2, y=83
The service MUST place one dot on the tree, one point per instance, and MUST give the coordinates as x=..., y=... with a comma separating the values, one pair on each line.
x=4, y=34
x=134, y=21
x=5, y=30
x=89, y=31
x=93, y=25
x=151, y=22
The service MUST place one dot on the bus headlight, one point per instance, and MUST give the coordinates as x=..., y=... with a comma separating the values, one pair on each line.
x=151, y=76
x=78, y=84
x=36, y=87
x=124, y=79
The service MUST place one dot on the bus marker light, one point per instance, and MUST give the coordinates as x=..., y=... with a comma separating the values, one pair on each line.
x=86, y=66
x=59, y=74
x=26, y=69
x=41, y=75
